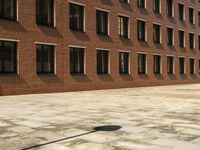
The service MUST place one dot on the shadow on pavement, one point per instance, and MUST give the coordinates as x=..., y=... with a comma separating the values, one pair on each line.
x=107, y=128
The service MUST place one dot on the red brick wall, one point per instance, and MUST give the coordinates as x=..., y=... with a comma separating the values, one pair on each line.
x=28, y=32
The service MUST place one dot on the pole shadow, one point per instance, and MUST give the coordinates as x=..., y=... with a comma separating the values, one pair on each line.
x=107, y=128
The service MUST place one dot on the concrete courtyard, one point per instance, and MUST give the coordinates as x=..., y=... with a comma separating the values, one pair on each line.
x=150, y=118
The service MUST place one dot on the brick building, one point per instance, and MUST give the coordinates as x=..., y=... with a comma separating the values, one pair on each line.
x=70, y=45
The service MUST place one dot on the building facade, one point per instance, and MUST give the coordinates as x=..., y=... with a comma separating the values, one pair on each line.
x=71, y=45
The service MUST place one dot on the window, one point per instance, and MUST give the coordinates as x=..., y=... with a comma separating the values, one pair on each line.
x=141, y=30
x=123, y=26
x=156, y=6
x=199, y=17
x=191, y=40
x=191, y=66
x=199, y=66
x=76, y=60
x=170, y=64
x=76, y=17
x=156, y=33
x=181, y=38
x=45, y=59
x=142, y=63
x=102, y=22
x=170, y=36
x=157, y=64
x=181, y=11
x=8, y=57
x=191, y=15
x=45, y=12
x=124, y=1
x=199, y=41
x=182, y=65
x=141, y=3
x=8, y=9
x=169, y=8
x=123, y=62
x=102, y=62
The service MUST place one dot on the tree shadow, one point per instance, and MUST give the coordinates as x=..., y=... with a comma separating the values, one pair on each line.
x=107, y=128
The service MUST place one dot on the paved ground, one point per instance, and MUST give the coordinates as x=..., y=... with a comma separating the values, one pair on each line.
x=155, y=118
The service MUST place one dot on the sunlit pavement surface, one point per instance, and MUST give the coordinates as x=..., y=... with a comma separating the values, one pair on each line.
x=151, y=118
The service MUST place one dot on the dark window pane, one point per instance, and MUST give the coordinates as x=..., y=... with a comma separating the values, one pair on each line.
x=191, y=15
x=1, y=56
x=181, y=11
x=181, y=38
x=170, y=36
x=102, y=62
x=123, y=63
x=142, y=63
x=156, y=6
x=141, y=3
x=1, y=9
x=182, y=65
x=170, y=8
x=141, y=30
x=199, y=66
x=123, y=26
x=191, y=40
x=191, y=66
x=102, y=22
x=45, y=12
x=157, y=64
x=8, y=9
x=170, y=65
x=199, y=41
x=39, y=58
x=76, y=17
x=45, y=59
x=76, y=61
x=7, y=57
x=156, y=33
x=199, y=17
x=123, y=1
x=48, y=59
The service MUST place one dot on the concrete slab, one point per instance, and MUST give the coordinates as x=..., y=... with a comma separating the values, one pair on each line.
x=151, y=118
